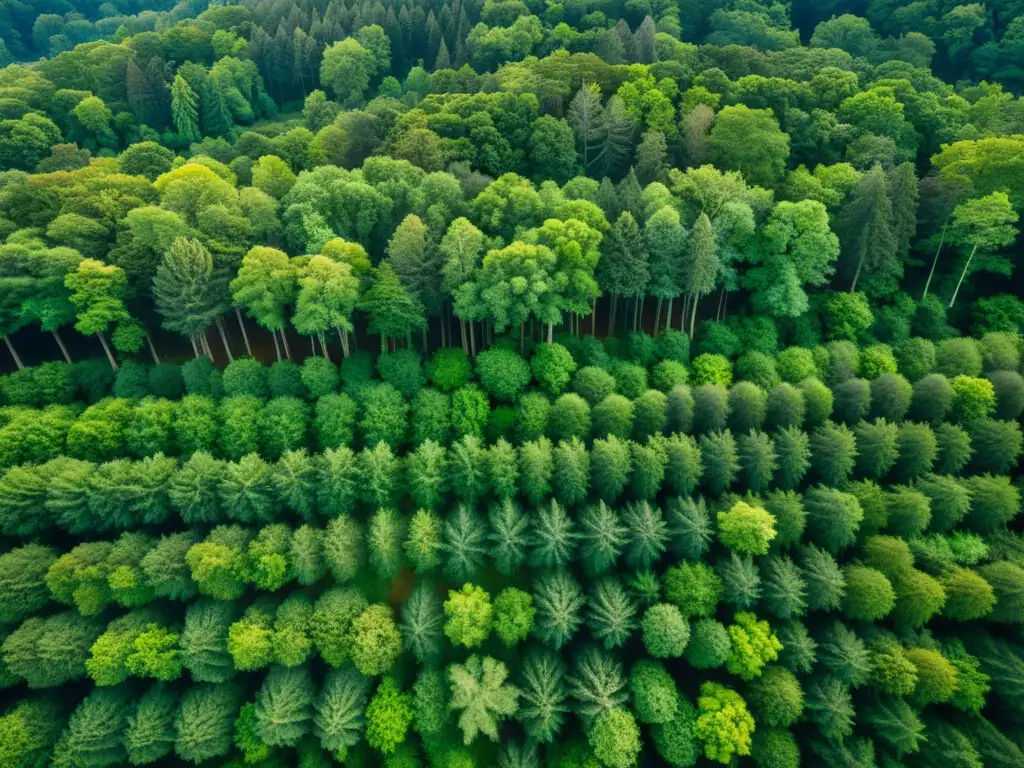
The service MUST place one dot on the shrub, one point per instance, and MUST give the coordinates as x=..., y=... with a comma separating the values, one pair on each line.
x=630, y=379
x=794, y=364
x=958, y=357
x=449, y=369
x=503, y=373
x=403, y=370
x=711, y=369
x=552, y=367
x=319, y=377
x=246, y=376
x=667, y=374
x=284, y=379
x=593, y=384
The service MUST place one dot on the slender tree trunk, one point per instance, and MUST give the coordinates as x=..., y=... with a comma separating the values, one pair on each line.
x=935, y=262
x=551, y=332
x=640, y=317
x=287, y=349
x=343, y=338
x=593, y=319
x=60, y=343
x=725, y=306
x=472, y=340
x=522, y=334
x=323, y=347
x=718, y=311
x=224, y=339
x=103, y=341
x=424, y=341
x=277, y=345
x=462, y=334
x=856, y=274
x=354, y=345
x=245, y=335
x=636, y=311
x=657, y=316
x=195, y=349
x=684, y=313
x=962, y=276
x=668, y=314
x=21, y=366
x=444, y=323
x=611, y=314
x=152, y=347
x=693, y=316
x=206, y=345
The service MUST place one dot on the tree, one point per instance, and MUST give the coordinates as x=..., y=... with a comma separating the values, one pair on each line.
x=479, y=690
x=265, y=287
x=753, y=645
x=184, y=109
x=188, y=294
x=750, y=141
x=470, y=616
x=746, y=529
x=394, y=311
x=416, y=260
x=700, y=266
x=340, y=709
x=552, y=148
x=866, y=232
x=623, y=269
x=347, y=67
x=597, y=684
x=513, y=615
x=543, y=707
x=984, y=222
x=97, y=292
x=388, y=717
x=665, y=631
x=326, y=298
x=422, y=623
x=610, y=613
x=284, y=706
x=374, y=639
x=558, y=600
x=615, y=738
x=723, y=724
x=205, y=720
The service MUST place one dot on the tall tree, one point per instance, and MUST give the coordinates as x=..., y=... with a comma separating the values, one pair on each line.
x=700, y=265
x=189, y=295
x=623, y=269
x=665, y=239
x=185, y=109
x=265, y=287
x=867, y=238
x=327, y=296
x=394, y=312
x=97, y=291
x=416, y=260
x=517, y=283
x=462, y=249
x=987, y=223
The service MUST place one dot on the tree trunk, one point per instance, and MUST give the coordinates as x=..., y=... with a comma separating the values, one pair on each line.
x=343, y=338
x=354, y=345
x=323, y=347
x=856, y=274
x=636, y=309
x=424, y=341
x=962, y=276
x=60, y=343
x=472, y=340
x=668, y=314
x=462, y=334
x=383, y=344
x=195, y=349
x=611, y=314
x=522, y=333
x=245, y=335
x=640, y=316
x=206, y=346
x=593, y=320
x=657, y=315
x=693, y=315
x=718, y=311
x=277, y=345
x=152, y=347
x=224, y=339
x=312, y=345
x=103, y=341
x=17, y=360
x=935, y=262
x=551, y=332
x=288, y=349
x=725, y=305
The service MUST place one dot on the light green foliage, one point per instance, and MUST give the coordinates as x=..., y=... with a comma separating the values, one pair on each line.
x=513, y=615
x=470, y=616
x=481, y=696
x=723, y=725
x=753, y=644
x=746, y=529
x=615, y=738
x=388, y=717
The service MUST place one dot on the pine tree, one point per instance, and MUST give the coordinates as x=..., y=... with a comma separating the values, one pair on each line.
x=558, y=600
x=284, y=706
x=184, y=109
x=95, y=730
x=465, y=544
x=597, y=683
x=509, y=536
x=586, y=115
x=691, y=527
x=647, y=534
x=340, y=709
x=699, y=267
x=603, y=538
x=866, y=235
x=543, y=708
x=611, y=613
x=150, y=735
x=622, y=270
x=205, y=721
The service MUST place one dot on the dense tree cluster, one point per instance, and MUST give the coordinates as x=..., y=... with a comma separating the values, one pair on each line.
x=500, y=384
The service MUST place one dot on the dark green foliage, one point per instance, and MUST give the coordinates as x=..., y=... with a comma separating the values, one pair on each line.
x=741, y=582
x=503, y=373
x=204, y=721
x=833, y=453
x=833, y=517
x=149, y=734
x=553, y=537
x=710, y=408
x=559, y=602
x=785, y=407
x=932, y=399
x=721, y=463
x=852, y=400
x=403, y=370
x=996, y=445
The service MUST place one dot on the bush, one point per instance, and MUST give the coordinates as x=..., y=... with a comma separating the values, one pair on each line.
x=201, y=377
x=245, y=376
x=1008, y=387
x=132, y=380
x=165, y=380
x=711, y=369
x=503, y=373
x=795, y=364
x=357, y=370
x=665, y=631
x=449, y=369
x=612, y=416
x=667, y=374
x=569, y=417
x=757, y=368
x=915, y=358
x=552, y=367
x=958, y=357
x=672, y=345
x=319, y=377
x=655, y=697
x=593, y=384
x=532, y=415
x=403, y=370
x=973, y=398
x=285, y=380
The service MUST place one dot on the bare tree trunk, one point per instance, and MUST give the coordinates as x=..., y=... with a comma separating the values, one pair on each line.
x=856, y=274
x=593, y=319
x=718, y=312
x=17, y=360
x=60, y=343
x=354, y=343
x=245, y=335
x=383, y=344
x=962, y=276
x=693, y=316
x=935, y=262
x=668, y=314
x=343, y=338
x=103, y=341
x=472, y=340
x=684, y=313
x=323, y=346
x=152, y=347
x=640, y=317
x=287, y=349
x=206, y=345
x=551, y=333
x=224, y=339
x=521, y=338
x=462, y=334
x=657, y=315
x=195, y=349
x=277, y=345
